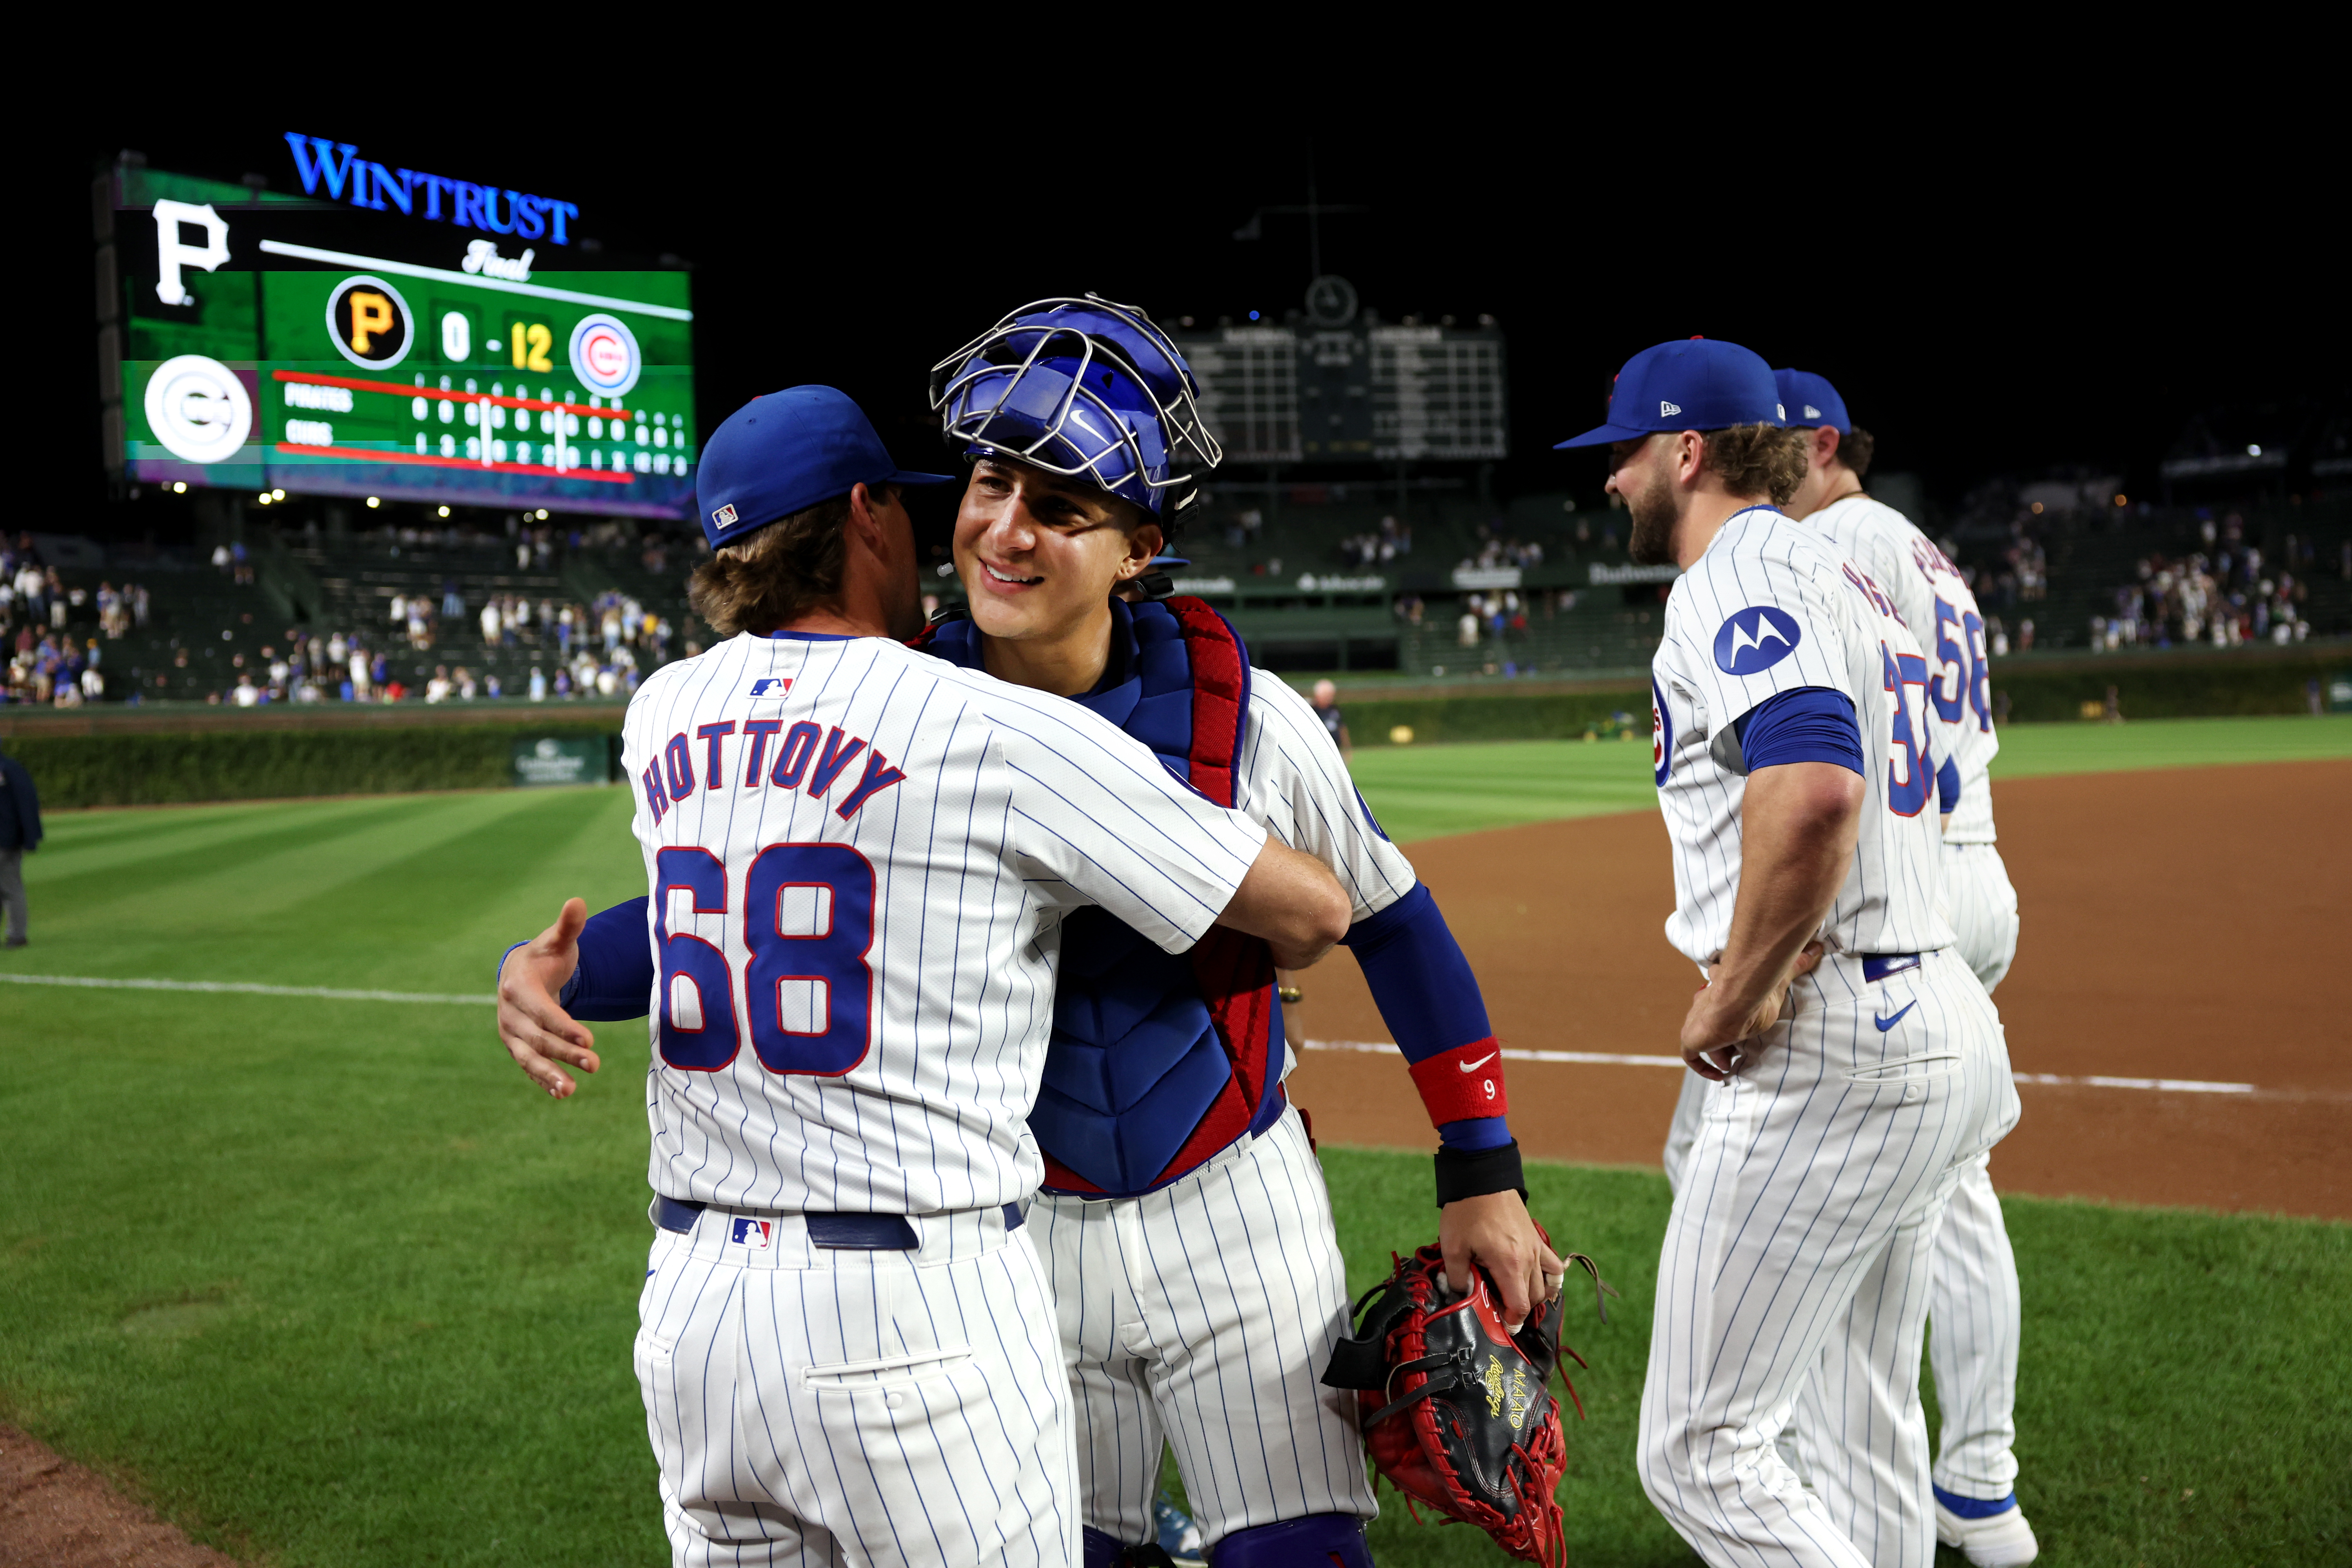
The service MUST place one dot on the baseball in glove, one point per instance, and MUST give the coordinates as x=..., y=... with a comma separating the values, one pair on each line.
x=1456, y=1409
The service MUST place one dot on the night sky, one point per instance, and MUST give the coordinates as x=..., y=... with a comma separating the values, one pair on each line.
x=2000, y=314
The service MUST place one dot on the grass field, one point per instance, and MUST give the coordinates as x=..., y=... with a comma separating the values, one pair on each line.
x=327, y=1283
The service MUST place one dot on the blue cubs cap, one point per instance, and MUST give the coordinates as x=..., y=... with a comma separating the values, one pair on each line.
x=1811, y=400
x=1699, y=383
x=784, y=453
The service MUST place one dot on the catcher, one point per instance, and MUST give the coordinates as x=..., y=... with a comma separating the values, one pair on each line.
x=1457, y=1406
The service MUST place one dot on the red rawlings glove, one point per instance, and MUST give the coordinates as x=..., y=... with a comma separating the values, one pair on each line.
x=1458, y=1411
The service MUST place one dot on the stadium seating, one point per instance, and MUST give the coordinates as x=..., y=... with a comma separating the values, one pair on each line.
x=1299, y=594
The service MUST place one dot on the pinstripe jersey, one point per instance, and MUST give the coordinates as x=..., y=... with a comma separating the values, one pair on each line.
x=1771, y=608
x=1292, y=780
x=1942, y=614
x=859, y=859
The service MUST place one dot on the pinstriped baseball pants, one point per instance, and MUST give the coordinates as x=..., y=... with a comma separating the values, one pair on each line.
x=1974, y=1306
x=808, y=1405
x=1799, y=1252
x=1205, y=1313
x=1973, y=1300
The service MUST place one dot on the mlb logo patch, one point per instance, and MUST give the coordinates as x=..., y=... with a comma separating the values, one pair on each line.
x=725, y=516
x=754, y=1233
x=771, y=686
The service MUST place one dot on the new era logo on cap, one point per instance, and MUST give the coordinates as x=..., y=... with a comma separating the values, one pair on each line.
x=724, y=515
x=1698, y=383
x=1811, y=412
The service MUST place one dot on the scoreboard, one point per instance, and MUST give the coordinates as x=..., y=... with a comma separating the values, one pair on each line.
x=332, y=343
x=1343, y=388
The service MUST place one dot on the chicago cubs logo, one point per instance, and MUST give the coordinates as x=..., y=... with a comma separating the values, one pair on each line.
x=1755, y=639
x=1662, y=733
x=198, y=409
x=605, y=354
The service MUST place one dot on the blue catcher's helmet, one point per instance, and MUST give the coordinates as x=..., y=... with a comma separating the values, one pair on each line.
x=1084, y=388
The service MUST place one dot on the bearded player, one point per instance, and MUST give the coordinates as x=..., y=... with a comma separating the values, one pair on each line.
x=1187, y=1231
x=1795, y=770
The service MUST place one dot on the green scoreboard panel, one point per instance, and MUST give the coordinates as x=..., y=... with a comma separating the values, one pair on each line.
x=267, y=342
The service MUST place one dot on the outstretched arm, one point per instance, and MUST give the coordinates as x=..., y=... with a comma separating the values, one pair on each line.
x=1293, y=901
x=598, y=968
x=1430, y=1000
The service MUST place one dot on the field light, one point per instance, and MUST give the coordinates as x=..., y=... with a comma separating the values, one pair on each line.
x=445, y=511
x=543, y=514
x=2253, y=451
x=374, y=501
x=263, y=497
x=276, y=495
x=2123, y=500
x=179, y=487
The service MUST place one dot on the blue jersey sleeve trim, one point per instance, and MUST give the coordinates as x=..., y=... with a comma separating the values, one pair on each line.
x=1947, y=786
x=1475, y=1132
x=1418, y=976
x=1427, y=993
x=615, y=977
x=1810, y=725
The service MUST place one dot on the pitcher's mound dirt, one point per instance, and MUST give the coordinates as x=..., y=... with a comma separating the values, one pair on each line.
x=2186, y=924
x=56, y=1514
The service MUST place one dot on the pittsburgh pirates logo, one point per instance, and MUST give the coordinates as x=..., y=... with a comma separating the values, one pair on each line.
x=368, y=321
x=1755, y=639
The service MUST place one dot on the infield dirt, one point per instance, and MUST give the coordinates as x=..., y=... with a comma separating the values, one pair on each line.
x=2182, y=924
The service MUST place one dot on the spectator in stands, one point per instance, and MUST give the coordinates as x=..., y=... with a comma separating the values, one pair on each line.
x=437, y=689
x=246, y=694
x=20, y=835
x=220, y=558
x=466, y=690
x=453, y=603
x=1326, y=697
x=491, y=624
x=538, y=684
x=241, y=565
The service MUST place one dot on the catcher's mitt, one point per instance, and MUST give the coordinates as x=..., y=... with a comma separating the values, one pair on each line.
x=1456, y=1409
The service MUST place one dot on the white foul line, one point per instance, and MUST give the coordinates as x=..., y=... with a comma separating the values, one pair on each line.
x=245, y=988
x=1613, y=1059
x=1375, y=1048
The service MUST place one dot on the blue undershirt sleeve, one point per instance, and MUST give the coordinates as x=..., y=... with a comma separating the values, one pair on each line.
x=615, y=977
x=1947, y=786
x=1427, y=995
x=1810, y=725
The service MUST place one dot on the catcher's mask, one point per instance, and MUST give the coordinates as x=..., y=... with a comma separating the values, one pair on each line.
x=1086, y=389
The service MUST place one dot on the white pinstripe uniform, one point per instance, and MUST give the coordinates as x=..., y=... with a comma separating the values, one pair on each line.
x=1974, y=1304
x=859, y=857
x=1205, y=1311
x=1798, y=1247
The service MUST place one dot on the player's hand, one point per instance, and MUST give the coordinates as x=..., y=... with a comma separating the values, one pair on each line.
x=1495, y=1230
x=537, y=1031
x=1720, y=1031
